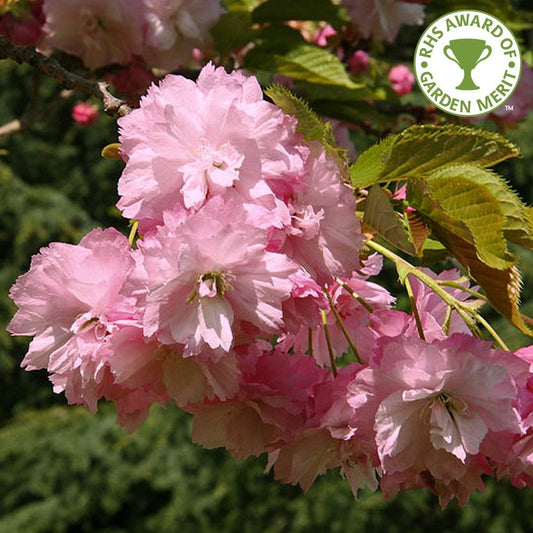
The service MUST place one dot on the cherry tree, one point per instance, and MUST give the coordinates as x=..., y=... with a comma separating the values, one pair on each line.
x=248, y=291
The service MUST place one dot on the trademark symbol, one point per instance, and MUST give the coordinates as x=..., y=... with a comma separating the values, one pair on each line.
x=509, y=107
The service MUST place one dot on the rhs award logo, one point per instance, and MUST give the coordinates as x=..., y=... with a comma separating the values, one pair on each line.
x=467, y=63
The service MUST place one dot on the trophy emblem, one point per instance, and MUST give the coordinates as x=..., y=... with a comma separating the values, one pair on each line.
x=467, y=53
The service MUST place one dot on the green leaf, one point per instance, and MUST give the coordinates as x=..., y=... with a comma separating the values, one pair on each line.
x=279, y=10
x=468, y=209
x=434, y=252
x=232, y=31
x=472, y=211
x=275, y=39
x=339, y=94
x=381, y=217
x=502, y=286
x=369, y=166
x=239, y=6
x=518, y=227
x=315, y=65
x=518, y=221
x=419, y=150
x=310, y=125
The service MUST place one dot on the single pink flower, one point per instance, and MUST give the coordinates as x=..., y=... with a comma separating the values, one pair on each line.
x=322, y=35
x=402, y=79
x=209, y=271
x=322, y=234
x=438, y=405
x=174, y=28
x=358, y=62
x=269, y=407
x=161, y=371
x=382, y=19
x=70, y=301
x=98, y=31
x=85, y=114
x=190, y=141
x=333, y=437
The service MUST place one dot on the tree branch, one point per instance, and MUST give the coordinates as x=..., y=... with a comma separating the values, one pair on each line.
x=50, y=67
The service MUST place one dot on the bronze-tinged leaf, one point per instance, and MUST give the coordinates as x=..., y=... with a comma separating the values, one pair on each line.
x=382, y=218
x=502, y=286
x=453, y=200
x=418, y=230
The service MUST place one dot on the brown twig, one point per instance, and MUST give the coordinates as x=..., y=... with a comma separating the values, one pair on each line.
x=51, y=67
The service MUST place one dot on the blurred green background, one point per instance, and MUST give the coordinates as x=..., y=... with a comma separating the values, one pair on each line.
x=65, y=470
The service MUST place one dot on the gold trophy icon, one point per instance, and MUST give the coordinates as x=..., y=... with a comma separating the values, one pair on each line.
x=467, y=53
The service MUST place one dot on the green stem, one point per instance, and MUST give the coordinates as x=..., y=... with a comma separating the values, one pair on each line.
x=457, y=285
x=493, y=333
x=328, y=342
x=347, y=288
x=447, y=320
x=469, y=315
x=414, y=309
x=341, y=325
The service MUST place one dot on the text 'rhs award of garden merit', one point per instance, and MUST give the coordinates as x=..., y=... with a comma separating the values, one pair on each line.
x=467, y=63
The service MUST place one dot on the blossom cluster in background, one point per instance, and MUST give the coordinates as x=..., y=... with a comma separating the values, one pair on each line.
x=247, y=299
x=162, y=33
x=382, y=19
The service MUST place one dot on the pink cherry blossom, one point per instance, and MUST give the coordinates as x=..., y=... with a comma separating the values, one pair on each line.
x=70, y=301
x=323, y=34
x=333, y=437
x=382, y=19
x=85, y=114
x=402, y=79
x=437, y=405
x=322, y=233
x=98, y=31
x=189, y=141
x=356, y=302
x=174, y=28
x=302, y=309
x=208, y=271
x=161, y=371
x=269, y=407
x=358, y=62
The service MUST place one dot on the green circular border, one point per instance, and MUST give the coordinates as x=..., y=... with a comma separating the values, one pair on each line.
x=416, y=70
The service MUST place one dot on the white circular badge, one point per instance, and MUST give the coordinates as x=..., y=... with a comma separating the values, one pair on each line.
x=467, y=63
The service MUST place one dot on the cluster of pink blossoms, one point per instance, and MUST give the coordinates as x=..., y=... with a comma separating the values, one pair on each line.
x=382, y=19
x=246, y=303
x=162, y=33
